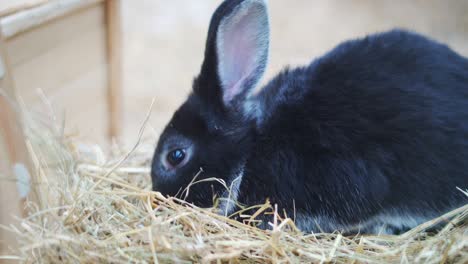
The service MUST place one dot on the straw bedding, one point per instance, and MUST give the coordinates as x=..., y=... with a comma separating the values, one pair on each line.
x=95, y=208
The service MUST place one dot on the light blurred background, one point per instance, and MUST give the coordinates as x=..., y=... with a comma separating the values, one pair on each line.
x=164, y=41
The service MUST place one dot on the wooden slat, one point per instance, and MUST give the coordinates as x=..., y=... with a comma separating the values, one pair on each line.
x=73, y=73
x=43, y=39
x=114, y=53
x=61, y=65
x=12, y=151
x=51, y=56
x=8, y=7
x=30, y=18
x=10, y=205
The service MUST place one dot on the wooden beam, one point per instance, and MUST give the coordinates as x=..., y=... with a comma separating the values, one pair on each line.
x=114, y=53
x=26, y=19
x=14, y=6
x=14, y=156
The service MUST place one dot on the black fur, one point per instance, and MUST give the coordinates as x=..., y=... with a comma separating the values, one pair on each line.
x=378, y=126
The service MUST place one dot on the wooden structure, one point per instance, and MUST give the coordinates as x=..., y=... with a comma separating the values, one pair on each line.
x=71, y=51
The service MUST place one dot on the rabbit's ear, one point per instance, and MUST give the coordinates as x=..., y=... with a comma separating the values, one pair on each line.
x=237, y=48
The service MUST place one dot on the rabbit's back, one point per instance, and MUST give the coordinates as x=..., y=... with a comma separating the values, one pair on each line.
x=381, y=122
x=395, y=65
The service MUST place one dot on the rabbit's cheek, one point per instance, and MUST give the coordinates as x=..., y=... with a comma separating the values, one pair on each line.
x=229, y=197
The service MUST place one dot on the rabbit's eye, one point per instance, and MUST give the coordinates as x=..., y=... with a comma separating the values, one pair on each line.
x=175, y=157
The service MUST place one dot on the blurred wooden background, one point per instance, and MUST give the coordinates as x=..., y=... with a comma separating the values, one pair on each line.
x=68, y=53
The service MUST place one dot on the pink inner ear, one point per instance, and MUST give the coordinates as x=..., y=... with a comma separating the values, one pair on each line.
x=240, y=47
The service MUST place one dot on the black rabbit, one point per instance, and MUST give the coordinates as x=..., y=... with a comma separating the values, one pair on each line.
x=371, y=137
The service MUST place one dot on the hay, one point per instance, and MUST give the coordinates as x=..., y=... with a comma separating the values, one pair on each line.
x=94, y=208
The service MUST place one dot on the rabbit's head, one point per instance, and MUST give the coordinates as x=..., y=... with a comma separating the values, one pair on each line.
x=210, y=135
